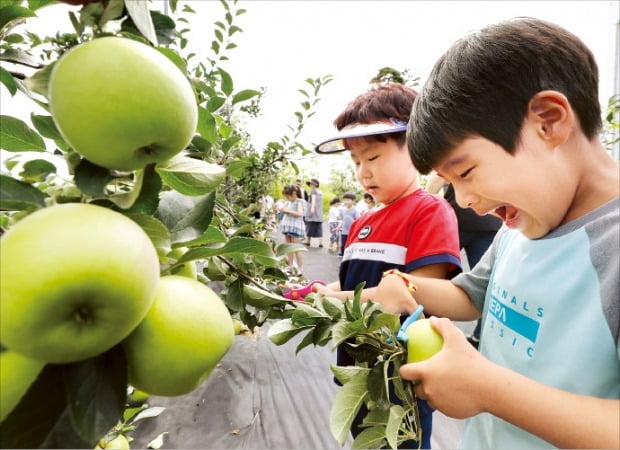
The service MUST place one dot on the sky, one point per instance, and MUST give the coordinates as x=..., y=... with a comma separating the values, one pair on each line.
x=284, y=42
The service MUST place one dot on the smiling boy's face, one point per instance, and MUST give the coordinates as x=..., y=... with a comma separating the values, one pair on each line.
x=527, y=190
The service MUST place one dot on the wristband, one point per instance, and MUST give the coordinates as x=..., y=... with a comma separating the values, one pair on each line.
x=411, y=287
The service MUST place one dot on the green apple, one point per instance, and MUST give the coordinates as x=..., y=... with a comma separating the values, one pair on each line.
x=138, y=397
x=182, y=338
x=186, y=270
x=423, y=341
x=122, y=104
x=17, y=373
x=237, y=326
x=75, y=280
x=120, y=442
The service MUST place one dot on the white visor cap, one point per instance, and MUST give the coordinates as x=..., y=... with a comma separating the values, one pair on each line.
x=356, y=130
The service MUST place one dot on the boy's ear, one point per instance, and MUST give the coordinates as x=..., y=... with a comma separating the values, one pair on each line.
x=552, y=116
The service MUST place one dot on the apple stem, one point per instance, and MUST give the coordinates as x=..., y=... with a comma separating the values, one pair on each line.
x=82, y=315
x=149, y=149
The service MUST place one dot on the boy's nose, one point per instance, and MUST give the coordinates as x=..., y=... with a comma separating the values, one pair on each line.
x=464, y=198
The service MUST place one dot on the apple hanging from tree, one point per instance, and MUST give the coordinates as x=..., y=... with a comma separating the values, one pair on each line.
x=182, y=338
x=423, y=341
x=76, y=279
x=17, y=373
x=122, y=104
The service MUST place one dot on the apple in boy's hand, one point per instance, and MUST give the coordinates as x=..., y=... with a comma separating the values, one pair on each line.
x=423, y=341
x=75, y=280
x=122, y=104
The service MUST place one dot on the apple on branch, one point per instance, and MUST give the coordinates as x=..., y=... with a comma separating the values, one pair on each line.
x=180, y=341
x=77, y=279
x=122, y=104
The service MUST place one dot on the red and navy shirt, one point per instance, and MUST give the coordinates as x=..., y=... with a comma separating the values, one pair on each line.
x=413, y=232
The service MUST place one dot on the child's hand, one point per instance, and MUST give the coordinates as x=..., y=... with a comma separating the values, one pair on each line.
x=325, y=290
x=394, y=296
x=452, y=381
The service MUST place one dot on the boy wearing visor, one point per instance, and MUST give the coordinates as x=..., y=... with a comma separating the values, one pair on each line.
x=415, y=232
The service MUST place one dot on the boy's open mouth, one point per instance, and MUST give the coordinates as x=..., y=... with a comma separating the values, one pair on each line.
x=506, y=213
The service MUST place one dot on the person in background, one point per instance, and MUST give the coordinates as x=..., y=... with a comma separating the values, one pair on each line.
x=371, y=205
x=335, y=224
x=414, y=232
x=302, y=191
x=510, y=116
x=361, y=206
x=475, y=232
x=348, y=214
x=314, y=213
x=292, y=225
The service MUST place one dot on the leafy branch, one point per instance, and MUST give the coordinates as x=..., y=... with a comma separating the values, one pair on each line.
x=368, y=334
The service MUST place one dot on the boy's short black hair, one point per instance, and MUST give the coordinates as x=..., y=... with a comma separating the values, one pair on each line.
x=482, y=86
x=380, y=102
x=334, y=201
x=350, y=196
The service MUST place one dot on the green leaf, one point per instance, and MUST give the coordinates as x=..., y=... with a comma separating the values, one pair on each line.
x=39, y=411
x=207, y=128
x=91, y=179
x=38, y=82
x=237, y=167
x=307, y=315
x=37, y=170
x=261, y=298
x=13, y=12
x=390, y=321
x=307, y=340
x=139, y=12
x=97, y=389
x=114, y=10
x=373, y=437
x=9, y=82
x=377, y=391
x=345, y=406
x=215, y=103
x=333, y=307
x=16, y=195
x=211, y=235
x=236, y=245
x=322, y=333
x=343, y=330
x=195, y=222
x=148, y=197
x=344, y=373
x=173, y=56
x=377, y=416
x=226, y=82
x=191, y=176
x=156, y=231
x=283, y=331
x=234, y=296
x=244, y=95
x=46, y=127
x=18, y=56
x=397, y=414
x=16, y=136
x=173, y=206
